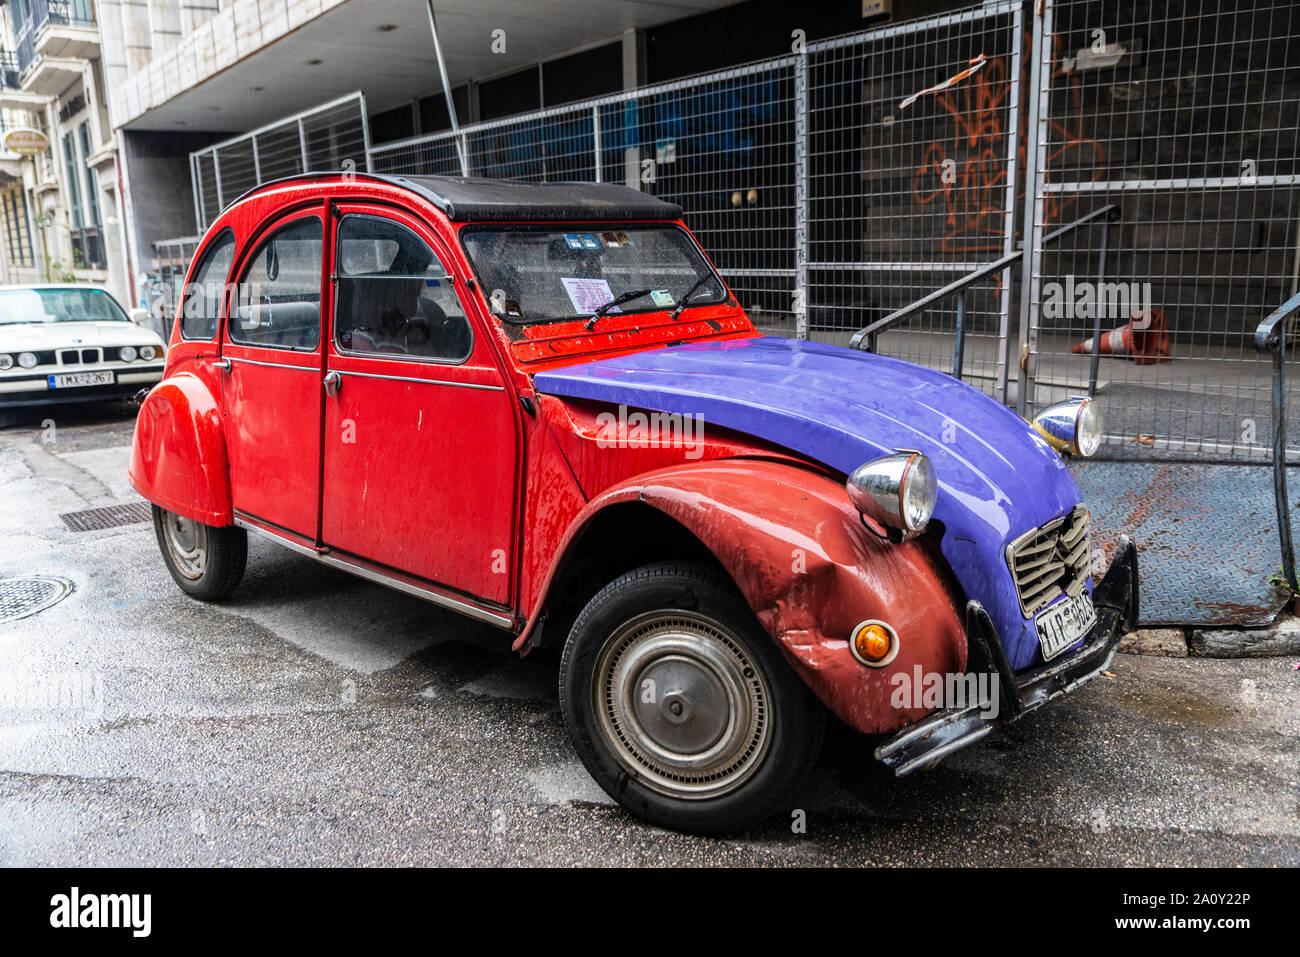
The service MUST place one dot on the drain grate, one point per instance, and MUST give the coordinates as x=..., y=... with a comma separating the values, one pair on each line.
x=20, y=597
x=108, y=516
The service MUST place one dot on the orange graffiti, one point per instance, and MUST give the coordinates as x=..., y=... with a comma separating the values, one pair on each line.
x=969, y=169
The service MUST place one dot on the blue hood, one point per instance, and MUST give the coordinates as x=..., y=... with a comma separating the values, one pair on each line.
x=997, y=477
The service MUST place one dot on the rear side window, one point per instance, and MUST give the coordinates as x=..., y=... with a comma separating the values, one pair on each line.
x=201, y=308
x=394, y=297
x=278, y=297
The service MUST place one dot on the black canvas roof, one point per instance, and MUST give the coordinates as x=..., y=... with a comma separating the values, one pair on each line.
x=480, y=199
x=466, y=199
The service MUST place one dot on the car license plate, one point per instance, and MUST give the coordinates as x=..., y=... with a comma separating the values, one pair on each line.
x=1065, y=623
x=71, y=380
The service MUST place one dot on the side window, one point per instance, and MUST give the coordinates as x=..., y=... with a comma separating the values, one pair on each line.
x=278, y=297
x=201, y=308
x=393, y=296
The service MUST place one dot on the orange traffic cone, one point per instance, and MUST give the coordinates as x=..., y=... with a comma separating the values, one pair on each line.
x=1144, y=339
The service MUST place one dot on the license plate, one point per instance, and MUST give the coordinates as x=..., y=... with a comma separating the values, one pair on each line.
x=71, y=380
x=1065, y=623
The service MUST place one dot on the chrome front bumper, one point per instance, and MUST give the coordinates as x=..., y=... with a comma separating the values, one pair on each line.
x=936, y=736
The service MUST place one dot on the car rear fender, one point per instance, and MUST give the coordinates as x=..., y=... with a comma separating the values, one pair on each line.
x=178, y=456
x=799, y=554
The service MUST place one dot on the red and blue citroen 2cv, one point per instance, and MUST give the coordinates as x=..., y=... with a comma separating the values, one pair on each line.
x=542, y=407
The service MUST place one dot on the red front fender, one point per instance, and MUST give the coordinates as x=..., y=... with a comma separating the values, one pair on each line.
x=811, y=572
x=178, y=456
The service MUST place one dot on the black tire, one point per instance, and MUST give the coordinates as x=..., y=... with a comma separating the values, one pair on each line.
x=206, y=561
x=733, y=732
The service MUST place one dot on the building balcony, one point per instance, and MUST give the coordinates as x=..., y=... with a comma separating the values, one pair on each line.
x=69, y=29
x=51, y=75
x=13, y=96
x=55, y=29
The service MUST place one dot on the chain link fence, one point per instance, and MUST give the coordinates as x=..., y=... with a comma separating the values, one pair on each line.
x=848, y=179
x=330, y=136
x=1187, y=118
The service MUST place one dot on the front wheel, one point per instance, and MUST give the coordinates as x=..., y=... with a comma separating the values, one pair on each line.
x=206, y=561
x=681, y=707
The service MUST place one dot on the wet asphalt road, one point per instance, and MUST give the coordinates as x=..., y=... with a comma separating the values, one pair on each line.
x=317, y=719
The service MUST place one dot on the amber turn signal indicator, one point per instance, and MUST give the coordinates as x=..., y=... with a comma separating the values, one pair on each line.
x=874, y=643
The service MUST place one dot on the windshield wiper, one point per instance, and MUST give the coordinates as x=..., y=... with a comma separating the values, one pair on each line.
x=681, y=303
x=600, y=311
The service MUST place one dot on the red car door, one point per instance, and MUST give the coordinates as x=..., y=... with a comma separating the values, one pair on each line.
x=420, y=437
x=272, y=386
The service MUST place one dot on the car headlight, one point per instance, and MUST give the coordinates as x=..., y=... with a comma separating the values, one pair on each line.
x=148, y=353
x=27, y=360
x=6, y=362
x=897, y=491
x=1072, y=427
x=126, y=353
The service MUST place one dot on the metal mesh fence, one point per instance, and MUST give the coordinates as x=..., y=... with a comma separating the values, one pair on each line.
x=822, y=203
x=328, y=137
x=721, y=145
x=848, y=179
x=1187, y=118
x=907, y=198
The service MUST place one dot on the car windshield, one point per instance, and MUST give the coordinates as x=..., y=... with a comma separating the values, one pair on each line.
x=547, y=274
x=58, y=305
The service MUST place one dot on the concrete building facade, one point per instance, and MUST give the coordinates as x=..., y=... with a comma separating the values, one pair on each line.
x=61, y=212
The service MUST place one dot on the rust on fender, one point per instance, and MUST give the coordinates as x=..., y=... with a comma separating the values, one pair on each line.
x=811, y=572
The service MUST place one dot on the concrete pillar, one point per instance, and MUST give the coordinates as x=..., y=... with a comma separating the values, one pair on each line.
x=135, y=34
x=195, y=13
x=164, y=25
x=634, y=73
x=112, y=43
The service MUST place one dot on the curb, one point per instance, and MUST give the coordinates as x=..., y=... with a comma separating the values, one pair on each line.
x=1280, y=639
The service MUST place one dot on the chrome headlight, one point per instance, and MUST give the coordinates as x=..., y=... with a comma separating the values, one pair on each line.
x=148, y=353
x=1072, y=427
x=27, y=360
x=6, y=362
x=897, y=491
x=126, y=353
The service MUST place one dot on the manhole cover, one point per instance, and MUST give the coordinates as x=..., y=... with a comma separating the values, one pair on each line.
x=108, y=516
x=20, y=597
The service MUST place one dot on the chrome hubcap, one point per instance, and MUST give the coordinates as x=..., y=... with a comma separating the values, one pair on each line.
x=682, y=706
x=187, y=543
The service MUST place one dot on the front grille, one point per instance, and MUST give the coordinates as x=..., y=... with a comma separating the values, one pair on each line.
x=1051, y=560
x=71, y=357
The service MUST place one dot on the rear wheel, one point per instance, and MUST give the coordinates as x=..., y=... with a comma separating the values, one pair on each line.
x=206, y=561
x=681, y=707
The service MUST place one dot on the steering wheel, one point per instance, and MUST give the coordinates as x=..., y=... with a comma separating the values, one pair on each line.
x=415, y=324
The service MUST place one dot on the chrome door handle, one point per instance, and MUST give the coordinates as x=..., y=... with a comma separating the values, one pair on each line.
x=333, y=382
x=222, y=364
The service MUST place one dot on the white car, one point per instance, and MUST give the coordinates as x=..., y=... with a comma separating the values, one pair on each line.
x=72, y=342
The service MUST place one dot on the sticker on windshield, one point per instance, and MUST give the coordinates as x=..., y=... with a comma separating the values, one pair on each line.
x=662, y=297
x=589, y=241
x=574, y=241
x=587, y=295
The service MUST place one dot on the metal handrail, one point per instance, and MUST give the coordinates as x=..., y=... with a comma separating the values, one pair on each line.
x=1271, y=336
x=865, y=338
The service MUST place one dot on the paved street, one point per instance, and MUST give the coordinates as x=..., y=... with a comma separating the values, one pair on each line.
x=318, y=719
